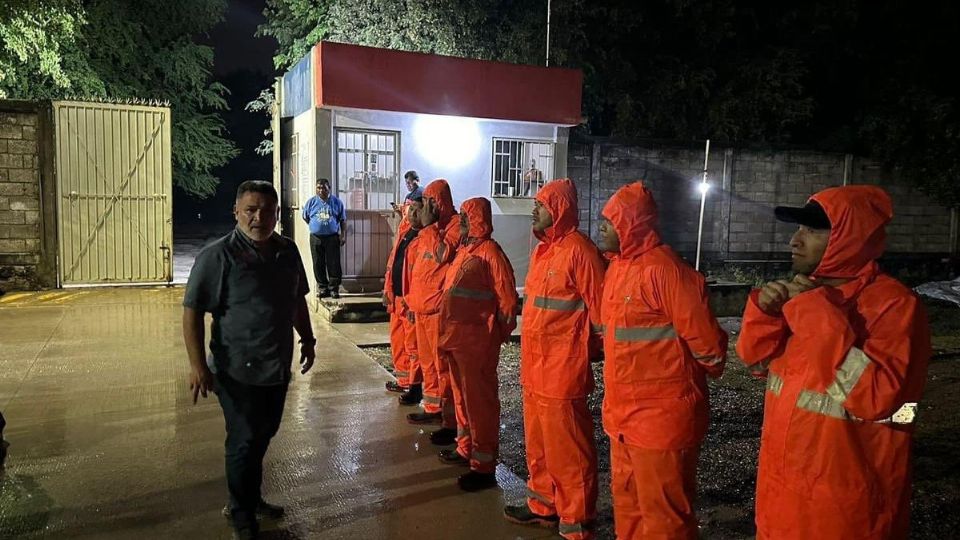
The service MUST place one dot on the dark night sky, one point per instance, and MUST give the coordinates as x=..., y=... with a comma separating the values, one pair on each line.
x=244, y=64
x=235, y=47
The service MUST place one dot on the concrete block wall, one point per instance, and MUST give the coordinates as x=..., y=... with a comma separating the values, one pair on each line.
x=20, y=215
x=745, y=187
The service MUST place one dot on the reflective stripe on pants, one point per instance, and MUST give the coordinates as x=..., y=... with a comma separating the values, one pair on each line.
x=473, y=377
x=437, y=394
x=561, y=458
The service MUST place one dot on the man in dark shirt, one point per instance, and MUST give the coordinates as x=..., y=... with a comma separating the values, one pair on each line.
x=414, y=191
x=403, y=336
x=253, y=283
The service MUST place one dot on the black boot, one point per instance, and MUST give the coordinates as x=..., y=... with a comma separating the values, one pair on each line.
x=444, y=436
x=476, y=481
x=453, y=457
x=412, y=396
x=394, y=386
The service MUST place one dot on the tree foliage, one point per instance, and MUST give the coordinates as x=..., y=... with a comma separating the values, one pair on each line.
x=842, y=75
x=59, y=49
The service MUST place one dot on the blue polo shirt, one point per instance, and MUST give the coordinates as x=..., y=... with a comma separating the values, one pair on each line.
x=415, y=194
x=324, y=216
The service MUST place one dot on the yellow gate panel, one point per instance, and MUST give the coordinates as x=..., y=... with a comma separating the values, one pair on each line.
x=114, y=193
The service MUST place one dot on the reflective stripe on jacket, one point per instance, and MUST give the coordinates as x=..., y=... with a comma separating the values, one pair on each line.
x=660, y=338
x=479, y=292
x=845, y=369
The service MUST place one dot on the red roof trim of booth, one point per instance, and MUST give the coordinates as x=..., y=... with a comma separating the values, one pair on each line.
x=382, y=79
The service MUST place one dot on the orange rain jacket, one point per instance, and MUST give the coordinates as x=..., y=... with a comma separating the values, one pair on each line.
x=479, y=293
x=845, y=367
x=561, y=312
x=402, y=229
x=430, y=253
x=660, y=338
x=479, y=313
x=428, y=258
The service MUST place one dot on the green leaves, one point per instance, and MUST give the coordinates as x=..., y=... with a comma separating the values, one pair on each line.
x=57, y=49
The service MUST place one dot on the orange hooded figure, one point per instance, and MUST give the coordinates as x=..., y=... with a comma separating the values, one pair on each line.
x=403, y=337
x=479, y=313
x=428, y=258
x=560, y=334
x=661, y=341
x=845, y=360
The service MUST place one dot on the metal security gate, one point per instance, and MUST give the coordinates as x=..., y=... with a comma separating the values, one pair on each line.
x=367, y=181
x=114, y=182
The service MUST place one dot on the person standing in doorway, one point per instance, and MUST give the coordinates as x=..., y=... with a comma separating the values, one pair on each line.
x=253, y=283
x=326, y=216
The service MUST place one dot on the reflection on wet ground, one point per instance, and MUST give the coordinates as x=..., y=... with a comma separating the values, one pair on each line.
x=106, y=443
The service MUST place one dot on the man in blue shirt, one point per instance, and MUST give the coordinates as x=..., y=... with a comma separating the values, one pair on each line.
x=326, y=216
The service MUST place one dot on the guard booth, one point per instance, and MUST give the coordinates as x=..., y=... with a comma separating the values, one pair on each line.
x=86, y=194
x=362, y=116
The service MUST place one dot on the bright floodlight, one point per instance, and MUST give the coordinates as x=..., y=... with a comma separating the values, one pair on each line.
x=704, y=188
x=448, y=142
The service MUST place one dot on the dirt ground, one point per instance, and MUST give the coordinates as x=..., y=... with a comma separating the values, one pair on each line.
x=728, y=458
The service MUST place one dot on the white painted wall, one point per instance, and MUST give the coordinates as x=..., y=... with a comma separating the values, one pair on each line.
x=461, y=150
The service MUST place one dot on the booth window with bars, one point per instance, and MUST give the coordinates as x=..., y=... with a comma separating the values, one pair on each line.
x=367, y=163
x=520, y=167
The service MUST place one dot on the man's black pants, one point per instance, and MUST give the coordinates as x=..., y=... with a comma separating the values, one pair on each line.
x=252, y=415
x=325, y=251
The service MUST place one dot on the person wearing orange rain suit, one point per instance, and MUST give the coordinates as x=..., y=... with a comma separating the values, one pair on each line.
x=428, y=258
x=661, y=342
x=559, y=337
x=844, y=349
x=403, y=337
x=479, y=313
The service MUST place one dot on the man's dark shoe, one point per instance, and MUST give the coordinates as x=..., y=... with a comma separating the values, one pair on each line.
x=522, y=515
x=444, y=436
x=323, y=293
x=3, y=451
x=394, y=386
x=413, y=396
x=425, y=418
x=334, y=294
x=265, y=510
x=452, y=457
x=245, y=533
x=477, y=481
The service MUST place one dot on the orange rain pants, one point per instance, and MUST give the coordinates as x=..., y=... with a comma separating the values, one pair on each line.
x=403, y=345
x=562, y=461
x=435, y=364
x=653, y=492
x=473, y=379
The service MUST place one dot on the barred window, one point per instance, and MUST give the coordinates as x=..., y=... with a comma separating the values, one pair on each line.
x=520, y=168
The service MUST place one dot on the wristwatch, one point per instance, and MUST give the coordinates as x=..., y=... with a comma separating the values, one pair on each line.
x=308, y=341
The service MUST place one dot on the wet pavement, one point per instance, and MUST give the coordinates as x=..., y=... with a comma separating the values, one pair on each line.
x=105, y=442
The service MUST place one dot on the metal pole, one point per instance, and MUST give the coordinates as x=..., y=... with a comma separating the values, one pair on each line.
x=548, y=33
x=703, y=201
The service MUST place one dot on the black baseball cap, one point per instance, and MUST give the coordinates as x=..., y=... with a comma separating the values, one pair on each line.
x=810, y=215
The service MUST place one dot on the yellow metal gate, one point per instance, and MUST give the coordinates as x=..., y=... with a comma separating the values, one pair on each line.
x=114, y=182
